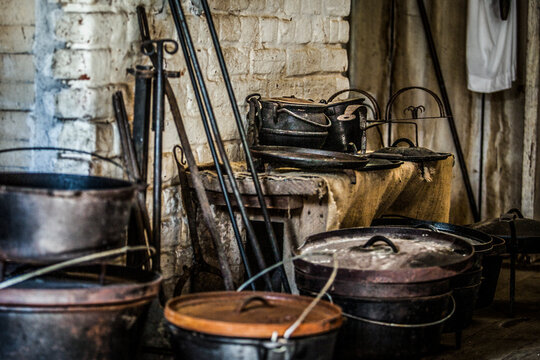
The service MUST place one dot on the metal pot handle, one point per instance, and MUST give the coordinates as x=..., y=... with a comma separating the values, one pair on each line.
x=384, y=239
x=403, y=140
x=246, y=302
x=292, y=113
x=376, y=111
x=52, y=148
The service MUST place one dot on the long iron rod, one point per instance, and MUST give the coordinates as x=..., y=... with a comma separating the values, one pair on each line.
x=196, y=179
x=448, y=108
x=198, y=83
x=249, y=158
x=481, y=166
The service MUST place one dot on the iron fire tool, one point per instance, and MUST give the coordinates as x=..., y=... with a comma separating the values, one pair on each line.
x=198, y=84
x=199, y=264
x=149, y=48
x=141, y=115
x=195, y=175
x=130, y=160
x=241, y=131
x=448, y=108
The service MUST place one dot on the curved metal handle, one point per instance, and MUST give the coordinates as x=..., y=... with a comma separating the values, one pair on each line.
x=376, y=111
x=388, y=111
x=246, y=302
x=515, y=211
x=384, y=239
x=292, y=113
x=151, y=47
x=403, y=140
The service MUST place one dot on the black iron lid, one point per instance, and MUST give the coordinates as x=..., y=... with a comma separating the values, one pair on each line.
x=387, y=255
x=411, y=153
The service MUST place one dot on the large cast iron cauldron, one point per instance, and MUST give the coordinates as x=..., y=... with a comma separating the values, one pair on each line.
x=393, y=285
x=70, y=315
x=241, y=326
x=288, y=121
x=52, y=217
x=465, y=286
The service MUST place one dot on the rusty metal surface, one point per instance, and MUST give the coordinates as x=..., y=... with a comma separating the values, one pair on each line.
x=53, y=217
x=250, y=314
x=80, y=287
x=427, y=268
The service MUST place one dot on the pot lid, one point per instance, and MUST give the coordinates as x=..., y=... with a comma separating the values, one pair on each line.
x=82, y=286
x=479, y=240
x=250, y=314
x=387, y=255
x=410, y=153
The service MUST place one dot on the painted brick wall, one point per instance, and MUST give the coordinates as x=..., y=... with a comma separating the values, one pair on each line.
x=56, y=86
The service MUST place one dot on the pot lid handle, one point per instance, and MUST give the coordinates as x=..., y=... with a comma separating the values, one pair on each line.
x=403, y=140
x=384, y=239
x=247, y=301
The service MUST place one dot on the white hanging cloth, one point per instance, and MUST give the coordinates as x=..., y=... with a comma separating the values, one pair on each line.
x=491, y=46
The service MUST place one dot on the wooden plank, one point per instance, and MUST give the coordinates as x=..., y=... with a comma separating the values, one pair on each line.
x=530, y=130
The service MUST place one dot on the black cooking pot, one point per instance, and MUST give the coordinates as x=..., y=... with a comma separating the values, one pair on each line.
x=288, y=121
x=491, y=266
x=250, y=325
x=393, y=284
x=70, y=315
x=53, y=217
x=346, y=117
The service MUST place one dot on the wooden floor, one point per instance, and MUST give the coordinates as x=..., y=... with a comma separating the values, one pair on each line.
x=495, y=335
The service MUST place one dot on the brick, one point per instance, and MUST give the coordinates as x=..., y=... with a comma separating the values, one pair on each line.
x=82, y=65
x=321, y=29
x=286, y=32
x=18, y=12
x=105, y=139
x=249, y=29
x=303, y=30
x=334, y=60
x=229, y=28
x=291, y=8
x=92, y=30
x=333, y=36
x=303, y=61
x=16, y=96
x=268, y=28
x=16, y=39
x=238, y=5
x=343, y=32
x=17, y=68
x=311, y=7
x=337, y=7
x=267, y=61
x=15, y=127
x=286, y=87
x=85, y=102
x=77, y=134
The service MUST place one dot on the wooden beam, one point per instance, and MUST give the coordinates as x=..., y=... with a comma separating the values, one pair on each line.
x=531, y=125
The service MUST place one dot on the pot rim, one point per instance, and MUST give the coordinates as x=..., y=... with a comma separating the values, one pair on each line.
x=123, y=186
x=303, y=103
x=79, y=295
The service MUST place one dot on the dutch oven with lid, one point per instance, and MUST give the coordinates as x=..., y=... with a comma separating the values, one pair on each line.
x=393, y=285
x=289, y=121
x=73, y=315
x=250, y=325
x=54, y=217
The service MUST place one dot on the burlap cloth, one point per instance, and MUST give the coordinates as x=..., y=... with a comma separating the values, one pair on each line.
x=355, y=198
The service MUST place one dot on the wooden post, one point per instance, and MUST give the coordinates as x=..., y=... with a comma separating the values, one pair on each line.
x=529, y=194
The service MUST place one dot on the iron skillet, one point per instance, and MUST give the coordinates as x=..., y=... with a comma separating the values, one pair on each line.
x=310, y=159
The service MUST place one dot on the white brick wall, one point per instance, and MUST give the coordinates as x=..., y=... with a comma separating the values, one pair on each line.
x=57, y=89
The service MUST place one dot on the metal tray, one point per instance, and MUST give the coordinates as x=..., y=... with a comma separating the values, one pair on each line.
x=311, y=159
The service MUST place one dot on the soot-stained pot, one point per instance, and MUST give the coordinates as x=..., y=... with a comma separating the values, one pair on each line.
x=240, y=325
x=71, y=315
x=288, y=121
x=53, y=217
x=393, y=285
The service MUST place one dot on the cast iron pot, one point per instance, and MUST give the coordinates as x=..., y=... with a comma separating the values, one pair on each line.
x=393, y=284
x=490, y=274
x=69, y=315
x=288, y=121
x=240, y=325
x=346, y=116
x=53, y=217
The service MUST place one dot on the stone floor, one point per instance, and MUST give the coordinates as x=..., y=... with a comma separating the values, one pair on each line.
x=496, y=335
